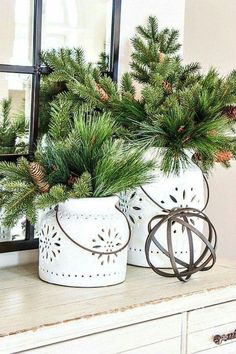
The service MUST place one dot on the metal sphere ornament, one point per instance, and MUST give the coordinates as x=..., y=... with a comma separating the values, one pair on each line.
x=180, y=269
x=204, y=262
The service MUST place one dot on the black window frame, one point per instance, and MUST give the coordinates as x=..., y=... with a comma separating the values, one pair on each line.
x=35, y=70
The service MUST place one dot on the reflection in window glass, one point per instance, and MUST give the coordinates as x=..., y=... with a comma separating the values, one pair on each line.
x=14, y=234
x=78, y=23
x=16, y=32
x=15, y=105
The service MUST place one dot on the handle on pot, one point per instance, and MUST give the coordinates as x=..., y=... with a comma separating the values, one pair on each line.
x=168, y=210
x=86, y=248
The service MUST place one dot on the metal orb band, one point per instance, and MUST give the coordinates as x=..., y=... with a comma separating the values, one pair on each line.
x=180, y=269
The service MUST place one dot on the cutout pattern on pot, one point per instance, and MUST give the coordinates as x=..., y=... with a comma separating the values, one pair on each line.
x=76, y=216
x=75, y=275
x=131, y=205
x=49, y=243
x=107, y=241
x=178, y=197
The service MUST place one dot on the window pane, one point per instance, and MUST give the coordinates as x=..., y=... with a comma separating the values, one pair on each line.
x=16, y=32
x=15, y=105
x=78, y=23
x=15, y=234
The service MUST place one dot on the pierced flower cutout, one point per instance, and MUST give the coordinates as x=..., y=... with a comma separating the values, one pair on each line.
x=129, y=204
x=49, y=243
x=107, y=241
x=181, y=199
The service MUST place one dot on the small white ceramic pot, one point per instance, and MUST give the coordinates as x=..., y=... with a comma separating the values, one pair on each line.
x=174, y=191
x=83, y=243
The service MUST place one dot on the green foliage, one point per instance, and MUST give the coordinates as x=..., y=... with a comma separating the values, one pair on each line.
x=16, y=172
x=57, y=194
x=51, y=155
x=192, y=120
x=65, y=66
x=60, y=123
x=209, y=96
x=127, y=86
x=81, y=81
x=165, y=40
x=121, y=168
x=155, y=55
x=89, y=162
x=17, y=191
x=48, y=92
x=85, y=113
x=11, y=127
x=7, y=134
x=103, y=62
x=82, y=188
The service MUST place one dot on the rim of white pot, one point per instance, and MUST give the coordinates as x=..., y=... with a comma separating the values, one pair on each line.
x=90, y=202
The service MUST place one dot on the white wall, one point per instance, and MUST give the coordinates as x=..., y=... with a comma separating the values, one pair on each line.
x=209, y=37
x=222, y=209
x=209, y=33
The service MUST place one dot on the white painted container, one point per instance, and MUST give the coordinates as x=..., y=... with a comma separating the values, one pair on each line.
x=184, y=190
x=84, y=243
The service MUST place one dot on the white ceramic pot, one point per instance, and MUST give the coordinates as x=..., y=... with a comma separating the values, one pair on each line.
x=184, y=190
x=84, y=243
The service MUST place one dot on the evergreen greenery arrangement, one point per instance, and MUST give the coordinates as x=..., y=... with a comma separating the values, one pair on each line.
x=194, y=119
x=88, y=163
x=178, y=108
x=97, y=130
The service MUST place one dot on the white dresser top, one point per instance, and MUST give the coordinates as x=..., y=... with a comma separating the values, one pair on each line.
x=32, y=311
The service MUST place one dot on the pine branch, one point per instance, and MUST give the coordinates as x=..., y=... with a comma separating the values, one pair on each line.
x=127, y=85
x=103, y=62
x=14, y=171
x=82, y=188
x=60, y=122
x=57, y=194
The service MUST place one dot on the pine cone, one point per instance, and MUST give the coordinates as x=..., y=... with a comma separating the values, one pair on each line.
x=187, y=139
x=223, y=156
x=161, y=57
x=93, y=140
x=60, y=86
x=103, y=95
x=181, y=129
x=197, y=157
x=37, y=174
x=72, y=180
x=212, y=133
x=167, y=86
x=230, y=112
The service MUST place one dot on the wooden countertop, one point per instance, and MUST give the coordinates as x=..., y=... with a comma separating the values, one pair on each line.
x=33, y=311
